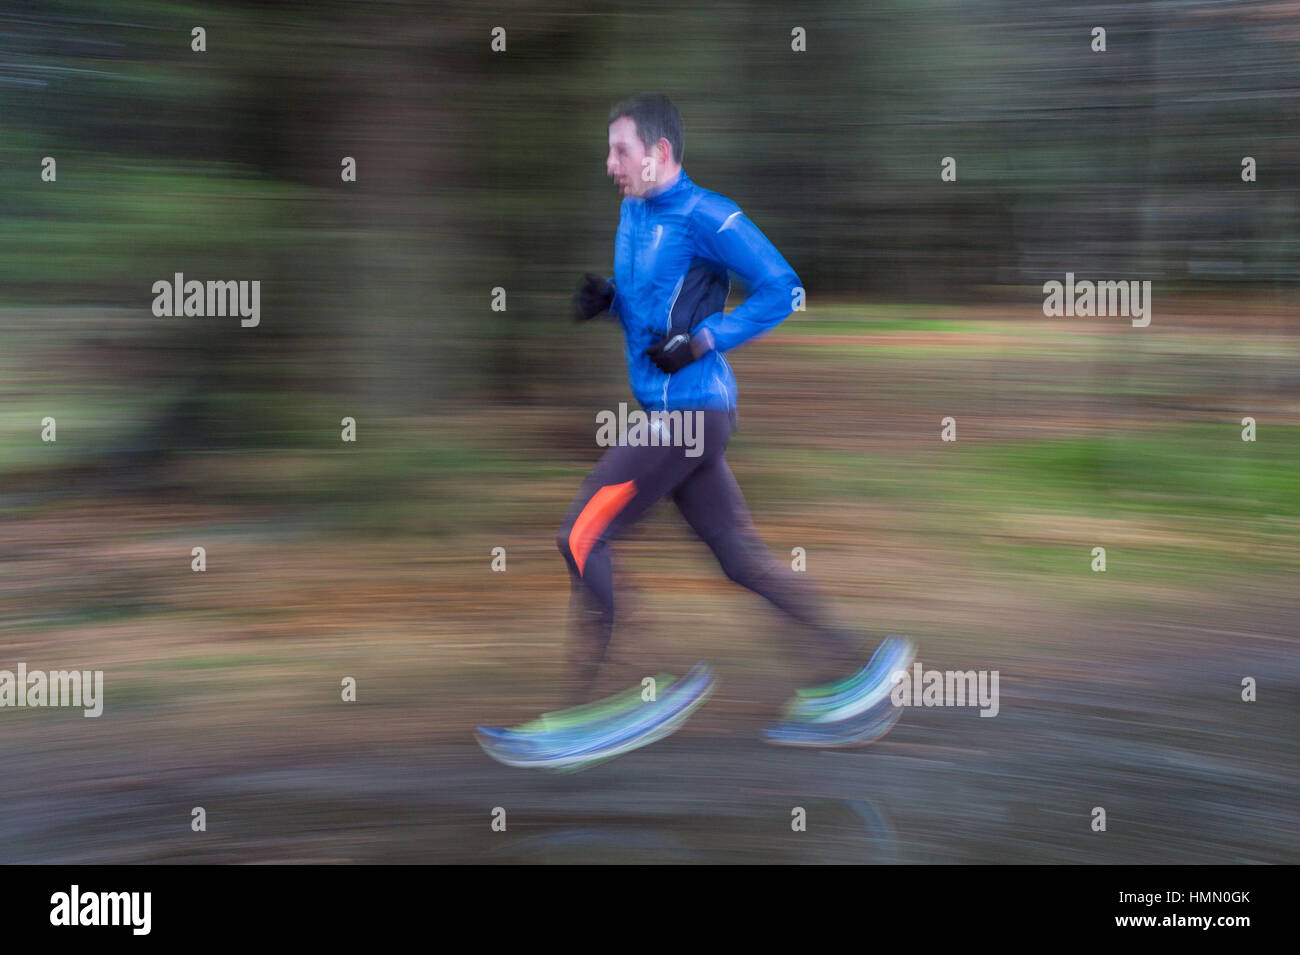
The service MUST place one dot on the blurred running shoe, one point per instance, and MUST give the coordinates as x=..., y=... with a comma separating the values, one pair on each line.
x=577, y=739
x=853, y=712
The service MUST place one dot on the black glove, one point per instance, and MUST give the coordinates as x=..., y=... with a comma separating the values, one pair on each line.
x=594, y=296
x=673, y=353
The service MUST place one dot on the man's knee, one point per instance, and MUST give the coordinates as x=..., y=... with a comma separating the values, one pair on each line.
x=746, y=561
x=566, y=551
x=740, y=563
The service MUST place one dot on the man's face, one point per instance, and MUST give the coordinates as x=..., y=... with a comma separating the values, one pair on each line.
x=627, y=162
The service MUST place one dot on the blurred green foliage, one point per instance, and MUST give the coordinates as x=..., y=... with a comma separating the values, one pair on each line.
x=479, y=170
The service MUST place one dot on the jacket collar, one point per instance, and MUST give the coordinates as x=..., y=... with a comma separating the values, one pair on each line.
x=682, y=184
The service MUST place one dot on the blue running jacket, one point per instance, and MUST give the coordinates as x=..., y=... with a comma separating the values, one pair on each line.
x=671, y=257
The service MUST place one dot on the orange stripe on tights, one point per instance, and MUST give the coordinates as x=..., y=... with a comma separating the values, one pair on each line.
x=595, y=517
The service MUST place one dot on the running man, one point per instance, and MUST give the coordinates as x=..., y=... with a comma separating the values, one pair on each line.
x=675, y=244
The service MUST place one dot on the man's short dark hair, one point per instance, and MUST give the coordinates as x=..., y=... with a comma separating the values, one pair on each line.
x=656, y=118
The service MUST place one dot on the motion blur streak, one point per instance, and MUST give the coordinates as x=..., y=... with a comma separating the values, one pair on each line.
x=327, y=560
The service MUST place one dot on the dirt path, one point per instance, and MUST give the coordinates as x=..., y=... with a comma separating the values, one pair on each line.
x=1140, y=717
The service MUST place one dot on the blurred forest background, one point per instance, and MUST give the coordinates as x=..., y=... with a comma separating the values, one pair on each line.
x=479, y=169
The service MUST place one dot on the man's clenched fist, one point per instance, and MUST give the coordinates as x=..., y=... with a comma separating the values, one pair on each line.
x=673, y=353
x=594, y=296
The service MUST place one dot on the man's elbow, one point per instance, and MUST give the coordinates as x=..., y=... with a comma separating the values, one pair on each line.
x=794, y=289
x=782, y=295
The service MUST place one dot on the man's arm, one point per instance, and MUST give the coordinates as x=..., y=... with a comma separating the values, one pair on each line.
x=725, y=235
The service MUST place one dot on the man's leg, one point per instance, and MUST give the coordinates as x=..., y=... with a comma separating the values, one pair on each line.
x=712, y=503
x=624, y=485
